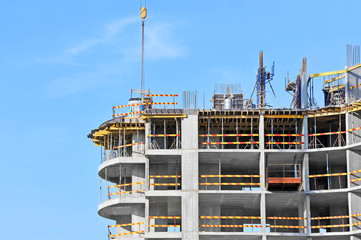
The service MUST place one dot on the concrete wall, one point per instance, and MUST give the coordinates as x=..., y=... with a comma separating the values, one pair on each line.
x=354, y=78
x=190, y=177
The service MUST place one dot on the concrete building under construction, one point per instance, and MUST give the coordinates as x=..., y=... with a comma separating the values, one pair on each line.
x=240, y=170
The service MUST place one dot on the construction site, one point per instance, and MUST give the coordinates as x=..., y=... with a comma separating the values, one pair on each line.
x=240, y=170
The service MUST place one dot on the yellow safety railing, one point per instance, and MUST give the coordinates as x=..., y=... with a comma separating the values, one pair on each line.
x=220, y=183
x=112, y=236
x=176, y=183
x=352, y=174
x=120, y=189
x=175, y=223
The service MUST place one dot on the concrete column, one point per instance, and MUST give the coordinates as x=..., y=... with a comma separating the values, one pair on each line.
x=146, y=215
x=305, y=172
x=305, y=131
x=146, y=174
x=138, y=216
x=307, y=200
x=262, y=172
x=146, y=139
x=302, y=213
x=307, y=211
x=348, y=126
x=263, y=213
x=190, y=172
x=347, y=86
x=261, y=130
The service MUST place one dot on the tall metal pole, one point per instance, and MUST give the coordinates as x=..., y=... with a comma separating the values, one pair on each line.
x=143, y=15
x=142, y=70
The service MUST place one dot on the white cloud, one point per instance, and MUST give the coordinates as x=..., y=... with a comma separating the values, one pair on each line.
x=110, y=34
x=160, y=43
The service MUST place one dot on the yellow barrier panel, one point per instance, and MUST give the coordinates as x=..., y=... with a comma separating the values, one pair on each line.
x=124, y=234
x=204, y=176
x=126, y=184
x=164, y=217
x=229, y=217
x=231, y=226
x=126, y=224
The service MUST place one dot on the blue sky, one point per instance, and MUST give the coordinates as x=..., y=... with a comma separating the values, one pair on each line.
x=64, y=64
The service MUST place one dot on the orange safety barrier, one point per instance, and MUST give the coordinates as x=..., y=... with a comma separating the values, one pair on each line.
x=229, y=217
x=164, y=217
x=205, y=176
x=287, y=218
x=176, y=183
x=231, y=226
x=125, y=224
x=164, y=176
x=126, y=114
x=353, y=172
x=163, y=135
x=164, y=225
x=330, y=217
x=129, y=105
x=353, y=129
x=163, y=103
x=146, y=103
x=326, y=133
x=355, y=180
x=327, y=175
x=164, y=184
x=332, y=133
x=225, y=143
x=229, y=135
x=284, y=135
x=284, y=143
x=337, y=174
x=231, y=184
x=117, y=193
x=126, y=184
x=128, y=145
x=283, y=226
x=331, y=226
x=161, y=95
x=124, y=234
x=355, y=86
